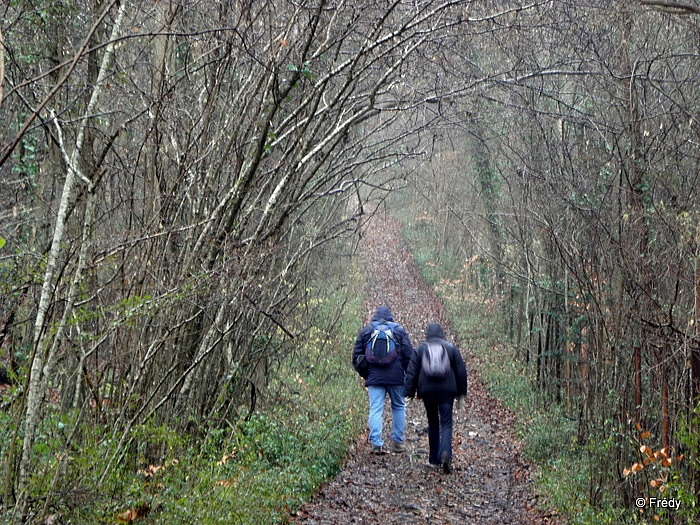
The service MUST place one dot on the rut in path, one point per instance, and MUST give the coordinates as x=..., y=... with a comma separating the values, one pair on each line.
x=491, y=484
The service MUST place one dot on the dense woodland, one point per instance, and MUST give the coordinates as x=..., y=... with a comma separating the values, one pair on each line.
x=176, y=178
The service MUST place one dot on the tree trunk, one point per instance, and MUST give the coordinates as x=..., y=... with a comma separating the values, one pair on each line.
x=44, y=351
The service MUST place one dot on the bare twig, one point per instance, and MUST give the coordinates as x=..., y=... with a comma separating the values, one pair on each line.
x=672, y=7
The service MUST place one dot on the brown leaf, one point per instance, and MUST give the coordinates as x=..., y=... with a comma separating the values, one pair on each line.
x=127, y=516
x=133, y=514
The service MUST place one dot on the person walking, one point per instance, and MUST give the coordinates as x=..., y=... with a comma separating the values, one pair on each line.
x=438, y=375
x=382, y=353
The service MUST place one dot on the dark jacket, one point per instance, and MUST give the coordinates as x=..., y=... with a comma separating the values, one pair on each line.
x=451, y=386
x=388, y=375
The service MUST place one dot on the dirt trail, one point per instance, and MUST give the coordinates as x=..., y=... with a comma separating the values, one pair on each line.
x=491, y=484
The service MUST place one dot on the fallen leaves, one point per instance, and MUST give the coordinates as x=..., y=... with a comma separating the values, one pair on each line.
x=133, y=514
x=490, y=483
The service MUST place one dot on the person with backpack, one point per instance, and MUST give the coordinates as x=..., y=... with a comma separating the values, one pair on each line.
x=382, y=353
x=438, y=375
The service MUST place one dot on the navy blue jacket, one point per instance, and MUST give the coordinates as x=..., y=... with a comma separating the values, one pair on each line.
x=388, y=375
x=432, y=389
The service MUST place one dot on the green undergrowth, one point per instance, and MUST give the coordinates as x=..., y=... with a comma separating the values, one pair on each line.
x=255, y=470
x=268, y=465
x=563, y=467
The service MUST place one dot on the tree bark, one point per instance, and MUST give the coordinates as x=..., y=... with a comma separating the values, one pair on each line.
x=44, y=353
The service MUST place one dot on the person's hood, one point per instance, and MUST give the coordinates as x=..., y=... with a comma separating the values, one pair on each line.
x=434, y=331
x=383, y=314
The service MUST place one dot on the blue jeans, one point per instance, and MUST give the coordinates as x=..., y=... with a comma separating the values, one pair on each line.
x=439, y=428
x=377, y=394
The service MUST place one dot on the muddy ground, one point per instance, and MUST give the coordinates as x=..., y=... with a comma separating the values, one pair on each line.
x=491, y=482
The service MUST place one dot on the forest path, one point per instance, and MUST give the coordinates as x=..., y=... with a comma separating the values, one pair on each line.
x=490, y=484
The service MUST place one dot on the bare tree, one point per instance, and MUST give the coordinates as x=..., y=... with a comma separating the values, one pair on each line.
x=588, y=115
x=198, y=161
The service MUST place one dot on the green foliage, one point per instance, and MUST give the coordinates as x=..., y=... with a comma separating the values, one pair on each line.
x=251, y=471
x=304, y=70
x=263, y=467
x=572, y=476
x=689, y=434
x=255, y=472
x=26, y=163
x=435, y=264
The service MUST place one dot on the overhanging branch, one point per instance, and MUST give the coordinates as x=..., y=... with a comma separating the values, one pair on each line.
x=672, y=7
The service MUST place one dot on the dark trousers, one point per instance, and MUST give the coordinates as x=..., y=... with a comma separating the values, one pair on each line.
x=439, y=428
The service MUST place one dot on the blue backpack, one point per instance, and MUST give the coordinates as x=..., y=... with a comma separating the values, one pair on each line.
x=381, y=346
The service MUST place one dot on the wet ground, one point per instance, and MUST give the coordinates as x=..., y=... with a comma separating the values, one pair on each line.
x=490, y=483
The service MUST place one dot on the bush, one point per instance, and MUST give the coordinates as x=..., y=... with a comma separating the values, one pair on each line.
x=254, y=470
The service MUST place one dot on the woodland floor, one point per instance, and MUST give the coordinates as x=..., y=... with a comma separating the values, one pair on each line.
x=491, y=482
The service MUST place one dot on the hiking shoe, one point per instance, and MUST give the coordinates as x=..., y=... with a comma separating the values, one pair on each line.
x=398, y=448
x=446, y=462
x=377, y=449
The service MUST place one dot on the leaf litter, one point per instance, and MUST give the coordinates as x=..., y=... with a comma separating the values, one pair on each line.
x=491, y=482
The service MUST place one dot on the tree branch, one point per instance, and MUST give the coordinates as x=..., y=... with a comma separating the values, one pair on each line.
x=5, y=154
x=672, y=7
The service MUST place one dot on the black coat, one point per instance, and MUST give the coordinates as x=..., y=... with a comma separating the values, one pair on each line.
x=454, y=384
x=388, y=375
